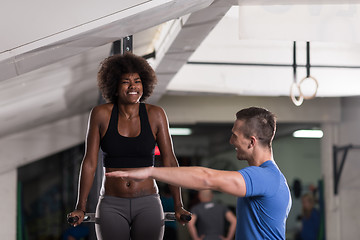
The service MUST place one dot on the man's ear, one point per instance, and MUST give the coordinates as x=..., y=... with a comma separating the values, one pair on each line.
x=252, y=142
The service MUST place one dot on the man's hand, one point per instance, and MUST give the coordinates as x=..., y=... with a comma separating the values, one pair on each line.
x=136, y=174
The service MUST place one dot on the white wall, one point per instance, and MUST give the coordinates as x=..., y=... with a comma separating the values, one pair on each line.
x=349, y=185
x=342, y=211
x=215, y=109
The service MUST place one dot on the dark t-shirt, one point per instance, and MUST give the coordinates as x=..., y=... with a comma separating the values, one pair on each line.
x=210, y=219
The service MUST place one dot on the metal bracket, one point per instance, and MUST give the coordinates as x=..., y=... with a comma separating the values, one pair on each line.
x=126, y=47
x=127, y=44
x=116, y=48
x=338, y=171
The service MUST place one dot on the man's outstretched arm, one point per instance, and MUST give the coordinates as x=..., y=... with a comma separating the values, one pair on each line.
x=198, y=178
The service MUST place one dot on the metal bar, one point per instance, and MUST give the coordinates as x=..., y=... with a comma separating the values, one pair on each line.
x=294, y=61
x=90, y=217
x=150, y=55
x=337, y=171
x=307, y=59
x=266, y=64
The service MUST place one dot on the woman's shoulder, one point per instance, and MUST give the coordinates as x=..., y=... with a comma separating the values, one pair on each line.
x=103, y=107
x=154, y=109
x=102, y=110
x=156, y=114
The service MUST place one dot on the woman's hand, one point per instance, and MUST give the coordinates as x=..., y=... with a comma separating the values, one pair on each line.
x=180, y=211
x=77, y=216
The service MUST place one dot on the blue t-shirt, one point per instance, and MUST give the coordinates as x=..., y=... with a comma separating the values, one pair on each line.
x=262, y=213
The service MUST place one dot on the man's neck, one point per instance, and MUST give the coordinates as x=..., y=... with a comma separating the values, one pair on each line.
x=261, y=156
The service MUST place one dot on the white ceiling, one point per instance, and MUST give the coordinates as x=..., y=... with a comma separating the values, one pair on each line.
x=44, y=78
x=232, y=52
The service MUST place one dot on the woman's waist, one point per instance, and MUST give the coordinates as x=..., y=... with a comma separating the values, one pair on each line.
x=129, y=189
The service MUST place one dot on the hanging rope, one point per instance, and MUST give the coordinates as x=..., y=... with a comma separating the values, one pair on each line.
x=308, y=76
x=295, y=86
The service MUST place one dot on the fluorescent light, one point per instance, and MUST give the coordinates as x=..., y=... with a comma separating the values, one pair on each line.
x=180, y=131
x=308, y=133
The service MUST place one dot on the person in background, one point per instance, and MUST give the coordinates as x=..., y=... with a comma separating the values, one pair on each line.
x=264, y=199
x=310, y=218
x=127, y=130
x=208, y=219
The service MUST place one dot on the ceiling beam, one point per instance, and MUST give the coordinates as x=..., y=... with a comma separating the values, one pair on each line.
x=78, y=39
x=189, y=32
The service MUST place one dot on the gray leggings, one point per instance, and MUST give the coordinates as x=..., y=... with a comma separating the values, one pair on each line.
x=129, y=218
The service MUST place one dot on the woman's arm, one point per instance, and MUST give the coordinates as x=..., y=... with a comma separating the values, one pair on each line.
x=159, y=119
x=89, y=164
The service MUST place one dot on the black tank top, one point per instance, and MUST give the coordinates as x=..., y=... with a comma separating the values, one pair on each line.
x=128, y=152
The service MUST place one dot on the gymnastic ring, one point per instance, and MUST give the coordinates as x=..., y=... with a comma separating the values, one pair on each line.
x=316, y=83
x=297, y=101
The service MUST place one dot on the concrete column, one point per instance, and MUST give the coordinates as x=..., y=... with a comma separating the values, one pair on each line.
x=8, y=189
x=332, y=210
x=349, y=181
